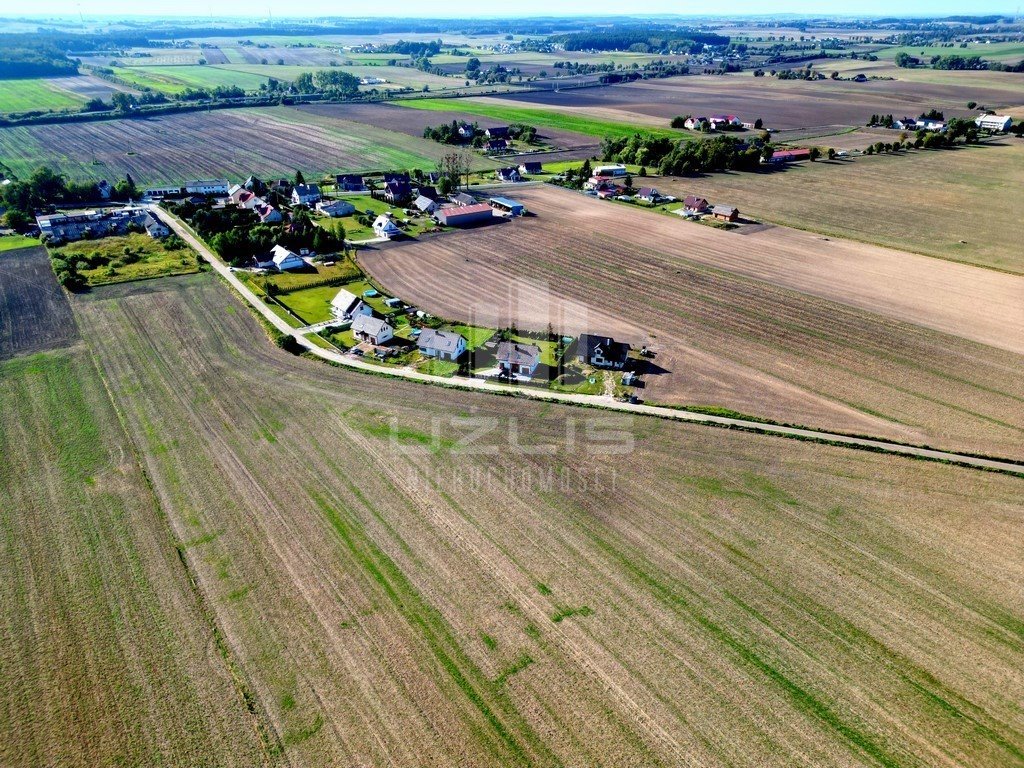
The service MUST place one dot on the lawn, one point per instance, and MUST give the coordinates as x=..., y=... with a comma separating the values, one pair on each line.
x=36, y=94
x=343, y=269
x=312, y=305
x=541, y=118
x=13, y=242
x=122, y=258
x=474, y=335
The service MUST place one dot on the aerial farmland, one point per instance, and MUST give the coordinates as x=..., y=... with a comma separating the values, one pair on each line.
x=579, y=391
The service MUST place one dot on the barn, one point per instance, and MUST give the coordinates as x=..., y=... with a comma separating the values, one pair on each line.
x=465, y=215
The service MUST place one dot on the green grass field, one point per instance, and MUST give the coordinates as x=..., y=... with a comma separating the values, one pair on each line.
x=36, y=94
x=541, y=118
x=13, y=242
x=1003, y=52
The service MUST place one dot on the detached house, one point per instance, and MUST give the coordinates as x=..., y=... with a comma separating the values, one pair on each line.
x=498, y=132
x=425, y=204
x=466, y=131
x=347, y=306
x=726, y=213
x=335, y=208
x=518, y=359
x=284, y=259
x=372, y=329
x=384, y=227
x=397, y=191
x=531, y=168
x=444, y=345
x=509, y=174
x=305, y=194
x=648, y=195
x=268, y=214
x=497, y=145
x=693, y=204
x=602, y=351
x=349, y=183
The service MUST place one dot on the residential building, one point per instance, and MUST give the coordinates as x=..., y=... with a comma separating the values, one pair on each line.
x=67, y=227
x=159, y=193
x=648, y=195
x=466, y=131
x=508, y=174
x=694, y=123
x=268, y=214
x=207, y=187
x=610, y=170
x=693, y=204
x=464, y=215
x=444, y=345
x=346, y=306
x=531, y=168
x=372, y=329
x=602, y=351
x=397, y=191
x=284, y=259
x=425, y=204
x=384, y=227
x=349, y=182
x=248, y=200
x=305, y=194
x=726, y=213
x=496, y=145
x=497, y=132
x=335, y=208
x=518, y=359
x=462, y=198
x=994, y=122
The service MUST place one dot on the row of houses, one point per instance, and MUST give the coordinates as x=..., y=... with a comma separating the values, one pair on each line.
x=248, y=200
x=67, y=227
x=716, y=123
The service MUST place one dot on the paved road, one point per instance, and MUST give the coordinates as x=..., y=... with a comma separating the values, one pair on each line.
x=601, y=401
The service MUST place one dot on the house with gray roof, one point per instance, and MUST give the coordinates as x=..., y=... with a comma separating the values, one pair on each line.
x=444, y=345
x=347, y=306
x=601, y=351
x=519, y=359
x=372, y=329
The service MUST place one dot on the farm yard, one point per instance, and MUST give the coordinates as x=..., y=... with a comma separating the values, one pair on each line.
x=34, y=311
x=753, y=323
x=269, y=141
x=332, y=582
x=782, y=104
x=962, y=204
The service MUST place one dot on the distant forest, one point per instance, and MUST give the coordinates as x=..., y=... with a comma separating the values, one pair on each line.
x=34, y=61
x=640, y=39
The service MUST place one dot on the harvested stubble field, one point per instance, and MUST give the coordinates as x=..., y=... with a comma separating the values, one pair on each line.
x=792, y=603
x=34, y=311
x=962, y=205
x=780, y=103
x=107, y=654
x=232, y=143
x=779, y=323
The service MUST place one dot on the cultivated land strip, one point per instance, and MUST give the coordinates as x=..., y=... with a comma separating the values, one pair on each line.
x=712, y=598
x=994, y=464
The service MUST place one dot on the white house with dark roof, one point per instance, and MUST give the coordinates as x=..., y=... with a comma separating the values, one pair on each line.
x=347, y=306
x=305, y=194
x=425, y=204
x=518, y=359
x=372, y=329
x=444, y=345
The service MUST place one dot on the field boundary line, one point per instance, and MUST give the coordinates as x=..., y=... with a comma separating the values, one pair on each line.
x=877, y=445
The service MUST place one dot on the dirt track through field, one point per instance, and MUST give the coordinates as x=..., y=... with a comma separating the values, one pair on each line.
x=700, y=598
x=779, y=323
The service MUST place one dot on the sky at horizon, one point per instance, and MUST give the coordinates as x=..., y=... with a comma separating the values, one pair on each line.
x=260, y=9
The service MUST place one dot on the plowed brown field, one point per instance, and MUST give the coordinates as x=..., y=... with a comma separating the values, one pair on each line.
x=777, y=323
x=705, y=598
